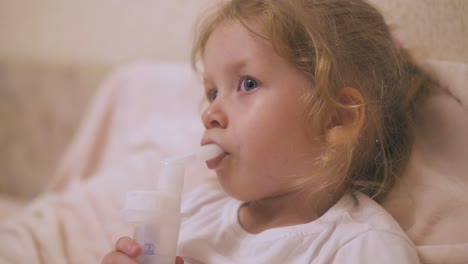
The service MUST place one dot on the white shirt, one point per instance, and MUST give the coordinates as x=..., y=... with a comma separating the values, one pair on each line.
x=349, y=232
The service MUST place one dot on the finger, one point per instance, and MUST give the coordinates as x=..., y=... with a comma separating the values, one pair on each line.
x=116, y=257
x=128, y=246
x=179, y=260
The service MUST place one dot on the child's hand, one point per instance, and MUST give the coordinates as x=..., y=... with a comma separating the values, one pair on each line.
x=126, y=249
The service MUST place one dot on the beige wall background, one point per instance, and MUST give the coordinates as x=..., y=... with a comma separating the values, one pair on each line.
x=115, y=31
x=54, y=54
x=103, y=32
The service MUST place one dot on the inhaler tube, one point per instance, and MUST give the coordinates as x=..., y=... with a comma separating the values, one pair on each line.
x=171, y=178
x=155, y=215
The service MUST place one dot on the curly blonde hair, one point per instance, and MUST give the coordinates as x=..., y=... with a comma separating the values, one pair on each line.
x=337, y=44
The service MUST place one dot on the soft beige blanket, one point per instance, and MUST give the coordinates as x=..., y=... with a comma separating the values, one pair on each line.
x=146, y=112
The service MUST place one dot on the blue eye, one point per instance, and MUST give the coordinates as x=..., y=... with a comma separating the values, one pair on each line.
x=211, y=94
x=248, y=84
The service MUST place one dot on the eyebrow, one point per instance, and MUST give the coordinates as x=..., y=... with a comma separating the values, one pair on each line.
x=229, y=68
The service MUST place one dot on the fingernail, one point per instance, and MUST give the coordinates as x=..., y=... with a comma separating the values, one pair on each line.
x=133, y=248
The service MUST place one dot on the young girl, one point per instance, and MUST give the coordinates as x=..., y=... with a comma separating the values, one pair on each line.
x=312, y=102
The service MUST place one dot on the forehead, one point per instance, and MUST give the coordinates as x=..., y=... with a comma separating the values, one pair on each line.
x=231, y=44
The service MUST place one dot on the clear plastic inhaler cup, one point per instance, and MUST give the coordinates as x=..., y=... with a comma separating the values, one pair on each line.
x=155, y=215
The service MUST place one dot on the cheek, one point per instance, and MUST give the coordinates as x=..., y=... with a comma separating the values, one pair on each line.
x=265, y=132
x=266, y=147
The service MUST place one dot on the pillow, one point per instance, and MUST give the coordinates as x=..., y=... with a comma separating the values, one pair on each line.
x=431, y=200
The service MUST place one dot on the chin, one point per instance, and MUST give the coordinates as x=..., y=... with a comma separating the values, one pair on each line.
x=236, y=192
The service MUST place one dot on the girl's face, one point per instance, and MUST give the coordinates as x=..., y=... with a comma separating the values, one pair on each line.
x=256, y=115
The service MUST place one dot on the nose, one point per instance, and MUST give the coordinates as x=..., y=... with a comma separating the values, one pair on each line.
x=214, y=116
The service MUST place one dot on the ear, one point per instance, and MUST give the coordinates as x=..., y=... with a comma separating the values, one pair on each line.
x=344, y=126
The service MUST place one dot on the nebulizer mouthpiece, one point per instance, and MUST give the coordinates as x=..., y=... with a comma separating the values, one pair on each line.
x=171, y=178
x=155, y=215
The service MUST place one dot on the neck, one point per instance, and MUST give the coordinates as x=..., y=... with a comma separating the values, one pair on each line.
x=283, y=210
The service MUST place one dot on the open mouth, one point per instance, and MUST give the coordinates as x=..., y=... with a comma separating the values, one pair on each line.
x=215, y=162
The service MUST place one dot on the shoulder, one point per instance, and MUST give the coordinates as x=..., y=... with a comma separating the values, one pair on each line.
x=377, y=246
x=209, y=194
x=370, y=233
x=372, y=216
